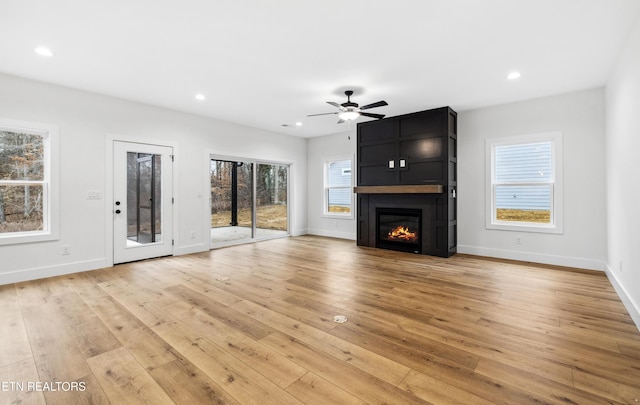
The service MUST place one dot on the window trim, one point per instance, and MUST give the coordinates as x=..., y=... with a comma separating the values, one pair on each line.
x=50, y=182
x=556, y=225
x=325, y=192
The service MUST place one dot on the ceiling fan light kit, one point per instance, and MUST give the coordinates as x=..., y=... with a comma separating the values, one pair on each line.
x=350, y=111
x=349, y=115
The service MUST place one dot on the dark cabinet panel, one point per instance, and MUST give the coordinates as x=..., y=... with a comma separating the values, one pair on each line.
x=379, y=153
x=423, y=173
x=383, y=130
x=423, y=123
x=376, y=175
x=424, y=148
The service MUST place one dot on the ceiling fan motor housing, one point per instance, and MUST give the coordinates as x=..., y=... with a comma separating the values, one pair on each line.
x=349, y=103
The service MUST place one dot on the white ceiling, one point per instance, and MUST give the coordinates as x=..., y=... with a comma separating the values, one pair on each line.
x=267, y=63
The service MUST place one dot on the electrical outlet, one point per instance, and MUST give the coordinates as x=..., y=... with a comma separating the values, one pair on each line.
x=193, y=234
x=518, y=240
x=66, y=250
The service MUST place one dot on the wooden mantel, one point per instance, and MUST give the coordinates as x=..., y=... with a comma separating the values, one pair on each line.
x=401, y=189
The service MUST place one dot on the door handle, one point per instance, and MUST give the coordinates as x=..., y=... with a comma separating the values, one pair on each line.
x=118, y=211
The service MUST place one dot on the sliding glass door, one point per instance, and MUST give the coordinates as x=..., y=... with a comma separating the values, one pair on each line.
x=272, y=217
x=249, y=201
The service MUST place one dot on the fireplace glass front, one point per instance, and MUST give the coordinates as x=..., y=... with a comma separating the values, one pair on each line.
x=399, y=229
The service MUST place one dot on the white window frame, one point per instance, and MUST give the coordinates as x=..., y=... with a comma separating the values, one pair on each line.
x=556, y=224
x=325, y=202
x=50, y=214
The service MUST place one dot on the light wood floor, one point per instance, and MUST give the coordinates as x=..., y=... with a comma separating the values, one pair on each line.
x=253, y=324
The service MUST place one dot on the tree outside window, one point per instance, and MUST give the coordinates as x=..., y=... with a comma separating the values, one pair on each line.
x=25, y=181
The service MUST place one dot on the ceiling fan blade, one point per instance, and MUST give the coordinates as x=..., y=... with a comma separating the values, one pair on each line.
x=315, y=115
x=334, y=104
x=378, y=116
x=341, y=121
x=374, y=105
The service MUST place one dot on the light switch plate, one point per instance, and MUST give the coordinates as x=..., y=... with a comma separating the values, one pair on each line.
x=94, y=195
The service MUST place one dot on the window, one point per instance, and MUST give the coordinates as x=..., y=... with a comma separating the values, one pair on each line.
x=338, y=191
x=524, y=191
x=27, y=182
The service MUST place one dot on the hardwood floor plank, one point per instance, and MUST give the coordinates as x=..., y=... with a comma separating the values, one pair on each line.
x=91, y=394
x=357, y=382
x=493, y=349
x=272, y=365
x=89, y=332
x=609, y=365
x=137, y=297
x=187, y=385
x=56, y=352
x=15, y=378
x=251, y=327
x=208, y=289
x=605, y=388
x=528, y=382
x=446, y=370
x=375, y=364
x=406, y=342
x=630, y=349
x=15, y=342
x=254, y=324
x=148, y=349
x=313, y=389
x=125, y=381
x=436, y=391
x=242, y=382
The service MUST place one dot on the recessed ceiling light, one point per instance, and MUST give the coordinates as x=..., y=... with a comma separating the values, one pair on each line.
x=43, y=51
x=200, y=97
x=513, y=75
x=297, y=124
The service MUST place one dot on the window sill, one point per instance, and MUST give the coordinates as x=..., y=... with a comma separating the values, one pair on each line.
x=525, y=227
x=26, y=237
x=337, y=216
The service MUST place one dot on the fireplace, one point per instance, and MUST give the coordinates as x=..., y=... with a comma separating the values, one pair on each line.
x=399, y=229
x=407, y=182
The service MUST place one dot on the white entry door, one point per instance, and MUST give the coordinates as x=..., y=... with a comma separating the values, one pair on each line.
x=142, y=203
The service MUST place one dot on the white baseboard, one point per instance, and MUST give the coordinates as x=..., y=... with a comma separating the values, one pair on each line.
x=185, y=250
x=299, y=232
x=629, y=303
x=332, y=234
x=568, y=261
x=52, y=271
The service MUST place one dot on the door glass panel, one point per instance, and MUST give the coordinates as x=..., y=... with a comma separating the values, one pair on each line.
x=144, y=202
x=249, y=201
x=271, y=200
x=231, y=201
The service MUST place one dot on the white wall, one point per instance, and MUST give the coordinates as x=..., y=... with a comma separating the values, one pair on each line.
x=320, y=148
x=623, y=174
x=86, y=121
x=580, y=117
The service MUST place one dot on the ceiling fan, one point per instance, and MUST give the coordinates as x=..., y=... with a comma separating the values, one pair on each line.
x=350, y=111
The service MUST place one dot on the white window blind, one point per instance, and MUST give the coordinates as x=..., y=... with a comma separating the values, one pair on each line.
x=338, y=187
x=524, y=187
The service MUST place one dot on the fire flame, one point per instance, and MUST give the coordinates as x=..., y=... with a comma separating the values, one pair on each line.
x=402, y=233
